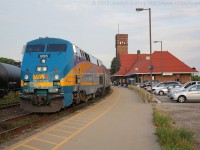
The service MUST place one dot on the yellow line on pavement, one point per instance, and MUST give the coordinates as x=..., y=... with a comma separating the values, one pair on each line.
x=62, y=137
x=69, y=126
x=30, y=147
x=63, y=130
x=42, y=140
x=85, y=120
x=75, y=123
x=89, y=124
x=79, y=115
x=87, y=117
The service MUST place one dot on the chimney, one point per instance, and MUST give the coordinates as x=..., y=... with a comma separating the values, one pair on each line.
x=138, y=55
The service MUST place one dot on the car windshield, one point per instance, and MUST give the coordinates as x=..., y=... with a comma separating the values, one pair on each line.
x=161, y=85
x=56, y=47
x=35, y=48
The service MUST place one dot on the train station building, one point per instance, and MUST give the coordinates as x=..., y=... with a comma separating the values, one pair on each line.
x=135, y=67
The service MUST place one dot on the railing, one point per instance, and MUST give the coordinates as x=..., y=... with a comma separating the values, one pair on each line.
x=146, y=96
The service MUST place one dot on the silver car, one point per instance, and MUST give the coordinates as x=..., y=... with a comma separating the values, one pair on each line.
x=161, y=85
x=186, y=85
x=190, y=93
x=164, y=90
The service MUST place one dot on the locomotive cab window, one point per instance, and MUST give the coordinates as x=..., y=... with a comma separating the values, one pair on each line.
x=35, y=48
x=56, y=47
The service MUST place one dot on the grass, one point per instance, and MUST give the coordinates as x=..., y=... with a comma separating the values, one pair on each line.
x=12, y=97
x=172, y=138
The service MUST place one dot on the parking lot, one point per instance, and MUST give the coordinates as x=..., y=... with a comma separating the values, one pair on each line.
x=185, y=115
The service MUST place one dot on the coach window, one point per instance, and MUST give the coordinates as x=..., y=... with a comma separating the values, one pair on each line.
x=56, y=47
x=100, y=79
x=87, y=57
x=83, y=55
x=35, y=48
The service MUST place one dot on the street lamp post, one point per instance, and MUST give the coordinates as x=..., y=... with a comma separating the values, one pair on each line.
x=150, y=67
x=161, y=59
x=136, y=69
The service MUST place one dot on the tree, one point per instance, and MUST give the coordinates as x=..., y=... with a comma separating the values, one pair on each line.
x=195, y=78
x=9, y=61
x=114, y=65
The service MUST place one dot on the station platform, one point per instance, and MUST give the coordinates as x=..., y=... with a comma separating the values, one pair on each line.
x=119, y=122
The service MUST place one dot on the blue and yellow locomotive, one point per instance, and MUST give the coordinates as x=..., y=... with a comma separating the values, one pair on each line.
x=55, y=73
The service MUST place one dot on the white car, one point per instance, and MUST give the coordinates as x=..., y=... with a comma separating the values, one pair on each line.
x=161, y=85
x=164, y=90
x=190, y=93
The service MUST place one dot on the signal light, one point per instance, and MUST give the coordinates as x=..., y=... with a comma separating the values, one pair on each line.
x=46, y=76
x=56, y=77
x=26, y=77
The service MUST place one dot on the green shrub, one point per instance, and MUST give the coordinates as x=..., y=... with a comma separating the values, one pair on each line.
x=169, y=137
x=12, y=97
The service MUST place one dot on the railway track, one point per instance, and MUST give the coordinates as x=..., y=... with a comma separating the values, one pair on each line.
x=16, y=126
x=9, y=106
x=10, y=111
x=13, y=127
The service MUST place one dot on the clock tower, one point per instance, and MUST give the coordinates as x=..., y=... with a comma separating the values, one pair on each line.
x=121, y=44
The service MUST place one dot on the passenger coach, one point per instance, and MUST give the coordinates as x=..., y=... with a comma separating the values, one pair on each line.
x=55, y=73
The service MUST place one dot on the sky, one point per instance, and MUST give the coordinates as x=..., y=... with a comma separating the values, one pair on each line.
x=93, y=24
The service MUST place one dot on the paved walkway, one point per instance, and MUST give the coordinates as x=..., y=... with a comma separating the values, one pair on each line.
x=120, y=122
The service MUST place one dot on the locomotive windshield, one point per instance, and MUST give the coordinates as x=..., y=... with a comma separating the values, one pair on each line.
x=56, y=47
x=35, y=48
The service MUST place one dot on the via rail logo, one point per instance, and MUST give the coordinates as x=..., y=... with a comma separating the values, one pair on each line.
x=38, y=76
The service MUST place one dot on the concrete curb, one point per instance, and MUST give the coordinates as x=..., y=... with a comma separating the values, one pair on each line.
x=157, y=101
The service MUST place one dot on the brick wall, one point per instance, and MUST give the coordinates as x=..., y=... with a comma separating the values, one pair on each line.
x=182, y=78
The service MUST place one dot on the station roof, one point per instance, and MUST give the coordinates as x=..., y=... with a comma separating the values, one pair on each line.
x=139, y=64
x=126, y=62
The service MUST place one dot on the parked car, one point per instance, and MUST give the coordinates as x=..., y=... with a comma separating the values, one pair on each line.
x=164, y=90
x=161, y=85
x=147, y=84
x=190, y=93
x=186, y=85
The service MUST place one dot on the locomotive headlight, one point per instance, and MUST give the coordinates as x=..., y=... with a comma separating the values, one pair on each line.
x=43, y=61
x=44, y=69
x=39, y=69
x=56, y=77
x=26, y=77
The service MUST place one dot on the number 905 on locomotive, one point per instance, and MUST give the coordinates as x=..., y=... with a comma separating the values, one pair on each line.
x=56, y=73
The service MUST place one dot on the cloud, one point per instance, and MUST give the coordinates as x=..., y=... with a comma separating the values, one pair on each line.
x=74, y=7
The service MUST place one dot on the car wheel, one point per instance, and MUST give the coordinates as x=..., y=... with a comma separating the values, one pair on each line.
x=161, y=93
x=181, y=99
